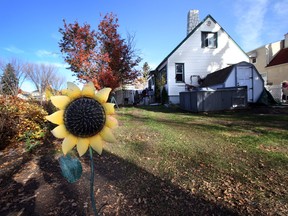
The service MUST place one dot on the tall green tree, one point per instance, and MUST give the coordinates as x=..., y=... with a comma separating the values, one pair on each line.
x=142, y=80
x=18, y=67
x=9, y=81
x=146, y=70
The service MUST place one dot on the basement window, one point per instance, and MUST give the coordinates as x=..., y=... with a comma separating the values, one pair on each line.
x=179, y=72
x=209, y=40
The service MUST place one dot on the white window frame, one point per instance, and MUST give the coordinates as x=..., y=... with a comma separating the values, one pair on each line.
x=179, y=70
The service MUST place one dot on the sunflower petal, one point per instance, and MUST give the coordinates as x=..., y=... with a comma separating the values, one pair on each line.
x=60, y=131
x=88, y=90
x=96, y=142
x=68, y=143
x=111, y=122
x=107, y=135
x=109, y=108
x=64, y=91
x=57, y=117
x=82, y=146
x=73, y=91
x=60, y=101
x=102, y=95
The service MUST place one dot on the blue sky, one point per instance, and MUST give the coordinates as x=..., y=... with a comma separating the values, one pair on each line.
x=29, y=28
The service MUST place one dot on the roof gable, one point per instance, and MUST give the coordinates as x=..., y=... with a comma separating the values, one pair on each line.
x=191, y=33
x=280, y=58
x=188, y=35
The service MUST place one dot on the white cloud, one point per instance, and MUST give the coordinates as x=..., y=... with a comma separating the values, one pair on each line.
x=14, y=49
x=250, y=22
x=55, y=64
x=45, y=53
x=60, y=65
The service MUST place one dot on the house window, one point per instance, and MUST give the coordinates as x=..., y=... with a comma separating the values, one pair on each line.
x=179, y=70
x=253, y=59
x=151, y=82
x=209, y=40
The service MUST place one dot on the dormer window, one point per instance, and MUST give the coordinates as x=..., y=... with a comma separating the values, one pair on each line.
x=209, y=40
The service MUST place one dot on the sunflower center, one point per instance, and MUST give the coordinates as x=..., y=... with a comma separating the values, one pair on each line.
x=84, y=117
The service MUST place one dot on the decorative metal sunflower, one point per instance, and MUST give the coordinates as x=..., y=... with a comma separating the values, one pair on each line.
x=84, y=118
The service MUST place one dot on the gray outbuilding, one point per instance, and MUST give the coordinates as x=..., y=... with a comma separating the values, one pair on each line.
x=237, y=75
x=229, y=88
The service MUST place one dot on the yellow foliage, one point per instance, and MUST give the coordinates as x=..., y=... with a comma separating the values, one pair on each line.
x=22, y=117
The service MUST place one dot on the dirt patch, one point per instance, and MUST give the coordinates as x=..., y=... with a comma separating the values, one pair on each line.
x=35, y=186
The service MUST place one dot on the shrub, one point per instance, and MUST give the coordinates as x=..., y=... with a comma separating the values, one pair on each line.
x=164, y=96
x=22, y=120
x=30, y=142
x=7, y=129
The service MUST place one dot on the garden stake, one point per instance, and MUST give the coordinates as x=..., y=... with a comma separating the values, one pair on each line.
x=93, y=203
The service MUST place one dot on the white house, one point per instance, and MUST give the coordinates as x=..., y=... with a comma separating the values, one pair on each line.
x=206, y=48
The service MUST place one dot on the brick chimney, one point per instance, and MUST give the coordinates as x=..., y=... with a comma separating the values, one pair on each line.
x=286, y=40
x=192, y=20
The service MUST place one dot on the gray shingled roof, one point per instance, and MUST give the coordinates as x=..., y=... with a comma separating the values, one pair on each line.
x=217, y=77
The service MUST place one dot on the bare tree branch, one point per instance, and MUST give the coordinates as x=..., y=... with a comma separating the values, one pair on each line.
x=41, y=76
x=58, y=83
x=18, y=65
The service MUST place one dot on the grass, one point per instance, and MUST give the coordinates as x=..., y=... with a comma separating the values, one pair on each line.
x=204, y=152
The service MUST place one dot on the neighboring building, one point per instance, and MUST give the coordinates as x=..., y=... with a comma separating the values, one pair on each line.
x=271, y=61
x=36, y=95
x=206, y=48
x=24, y=95
x=128, y=95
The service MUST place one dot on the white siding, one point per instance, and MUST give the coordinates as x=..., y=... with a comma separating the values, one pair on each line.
x=201, y=61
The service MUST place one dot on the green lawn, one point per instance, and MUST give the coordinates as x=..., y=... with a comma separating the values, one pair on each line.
x=238, y=159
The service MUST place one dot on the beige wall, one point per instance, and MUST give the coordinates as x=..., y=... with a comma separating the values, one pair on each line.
x=277, y=74
x=265, y=54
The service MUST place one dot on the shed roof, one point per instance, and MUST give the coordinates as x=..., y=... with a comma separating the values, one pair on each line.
x=217, y=77
x=280, y=58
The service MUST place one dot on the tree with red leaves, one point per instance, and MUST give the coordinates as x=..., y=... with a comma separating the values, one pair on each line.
x=121, y=53
x=102, y=57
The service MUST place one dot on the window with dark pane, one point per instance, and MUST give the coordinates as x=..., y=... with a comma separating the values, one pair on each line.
x=209, y=40
x=179, y=69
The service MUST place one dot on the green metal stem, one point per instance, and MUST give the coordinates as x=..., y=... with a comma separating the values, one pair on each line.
x=92, y=183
